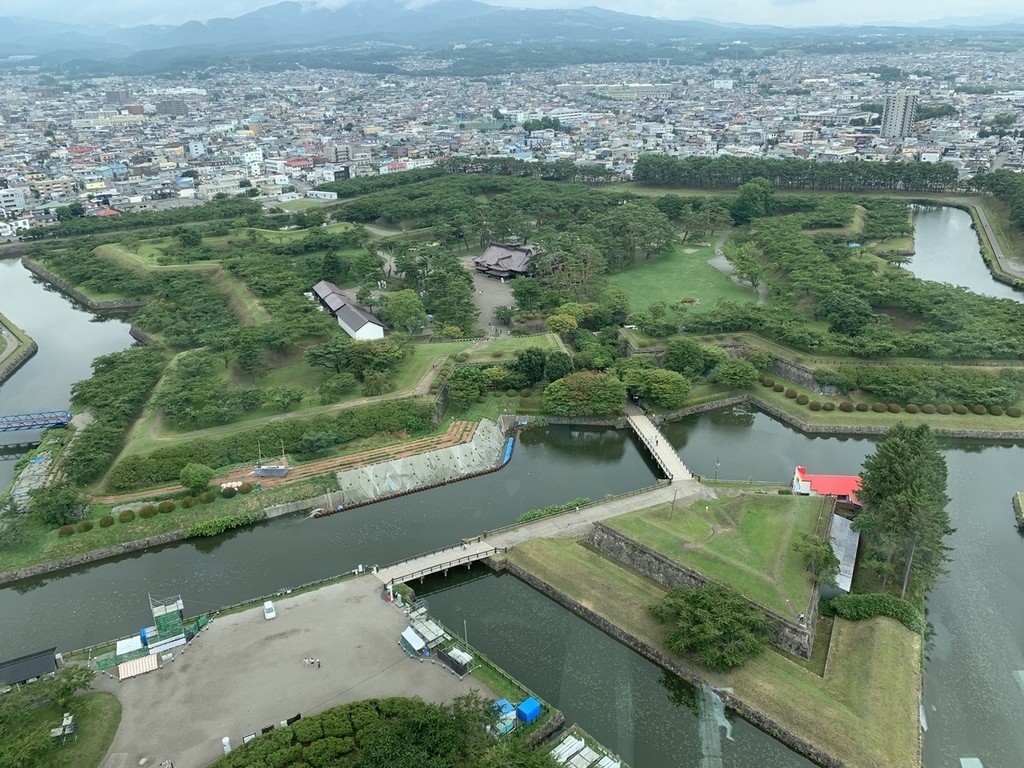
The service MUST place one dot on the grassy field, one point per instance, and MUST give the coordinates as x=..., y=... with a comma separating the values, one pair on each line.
x=745, y=542
x=98, y=715
x=507, y=346
x=863, y=711
x=680, y=275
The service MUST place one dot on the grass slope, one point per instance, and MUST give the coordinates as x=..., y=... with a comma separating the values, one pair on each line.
x=745, y=542
x=863, y=711
x=98, y=715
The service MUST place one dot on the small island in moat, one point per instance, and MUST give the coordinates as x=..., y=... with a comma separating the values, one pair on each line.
x=648, y=293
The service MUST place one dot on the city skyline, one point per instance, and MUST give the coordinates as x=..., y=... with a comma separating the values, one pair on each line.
x=792, y=13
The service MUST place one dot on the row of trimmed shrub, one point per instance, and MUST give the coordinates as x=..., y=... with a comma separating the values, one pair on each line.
x=846, y=406
x=150, y=510
x=860, y=607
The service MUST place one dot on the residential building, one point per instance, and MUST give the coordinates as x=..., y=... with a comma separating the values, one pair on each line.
x=898, y=114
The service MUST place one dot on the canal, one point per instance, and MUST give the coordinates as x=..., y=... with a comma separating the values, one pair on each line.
x=974, y=680
x=69, y=339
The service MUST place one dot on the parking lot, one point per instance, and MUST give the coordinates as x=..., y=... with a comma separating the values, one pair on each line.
x=245, y=672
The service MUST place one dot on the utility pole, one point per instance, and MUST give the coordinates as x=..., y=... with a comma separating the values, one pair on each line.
x=717, y=465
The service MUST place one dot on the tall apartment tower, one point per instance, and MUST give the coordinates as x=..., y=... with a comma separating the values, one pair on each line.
x=898, y=114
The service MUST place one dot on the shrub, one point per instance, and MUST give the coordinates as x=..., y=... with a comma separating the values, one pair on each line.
x=829, y=406
x=894, y=408
x=462, y=357
x=85, y=526
x=862, y=406
x=802, y=399
x=147, y=511
x=859, y=607
x=995, y=410
x=482, y=399
x=497, y=353
x=512, y=392
x=778, y=388
x=126, y=516
x=207, y=497
x=188, y=502
x=496, y=393
x=166, y=506
x=945, y=409
x=229, y=492
x=878, y=407
x=846, y=406
x=768, y=381
x=814, y=405
x=65, y=530
x=928, y=408
x=911, y=408
x=106, y=521
x=1013, y=411
x=980, y=409
x=760, y=376
x=960, y=409
x=245, y=488
x=790, y=393
x=525, y=392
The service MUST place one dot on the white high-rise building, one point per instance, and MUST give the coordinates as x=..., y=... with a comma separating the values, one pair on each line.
x=898, y=114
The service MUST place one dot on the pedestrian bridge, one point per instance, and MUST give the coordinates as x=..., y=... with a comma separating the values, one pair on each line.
x=661, y=450
x=26, y=421
x=438, y=561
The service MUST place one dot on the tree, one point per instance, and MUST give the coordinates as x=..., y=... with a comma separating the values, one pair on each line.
x=756, y=199
x=561, y=324
x=556, y=365
x=585, y=394
x=666, y=389
x=58, y=503
x=404, y=310
x=735, y=372
x=316, y=442
x=332, y=268
x=820, y=558
x=377, y=383
x=684, y=356
x=336, y=386
x=23, y=739
x=286, y=397
x=903, y=490
x=188, y=238
x=196, y=477
x=330, y=355
x=530, y=363
x=714, y=623
x=846, y=313
x=747, y=263
x=503, y=315
x=464, y=386
x=528, y=293
x=66, y=682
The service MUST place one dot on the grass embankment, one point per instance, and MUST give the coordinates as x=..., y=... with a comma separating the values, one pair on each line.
x=745, y=542
x=17, y=341
x=97, y=715
x=45, y=545
x=682, y=275
x=863, y=711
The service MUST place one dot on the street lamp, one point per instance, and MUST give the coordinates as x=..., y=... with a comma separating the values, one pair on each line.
x=717, y=465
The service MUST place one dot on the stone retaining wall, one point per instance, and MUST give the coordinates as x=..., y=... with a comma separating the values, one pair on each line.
x=117, y=305
x=748, y=713
x=90, y=557
x=790, y=636
x=12, y=364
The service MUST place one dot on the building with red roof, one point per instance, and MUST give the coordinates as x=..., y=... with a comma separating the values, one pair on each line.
x=843, y=487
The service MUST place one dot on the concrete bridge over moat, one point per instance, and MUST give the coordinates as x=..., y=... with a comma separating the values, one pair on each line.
x=681, y=488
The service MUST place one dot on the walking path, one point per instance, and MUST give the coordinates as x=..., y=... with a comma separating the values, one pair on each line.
x=993, y=241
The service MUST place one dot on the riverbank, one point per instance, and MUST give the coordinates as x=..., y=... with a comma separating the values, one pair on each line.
x=16, y=348
x=114, y=305
x=862, y=713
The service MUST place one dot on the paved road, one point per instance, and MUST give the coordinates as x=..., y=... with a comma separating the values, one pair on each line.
x=245, y=672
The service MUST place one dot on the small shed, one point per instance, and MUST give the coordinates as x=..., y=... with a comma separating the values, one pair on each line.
x=29, y=667
x=528, y=711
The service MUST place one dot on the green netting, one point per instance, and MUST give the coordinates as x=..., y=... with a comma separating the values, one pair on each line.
x=193, y=629
x=113, y=661
x=168, y=625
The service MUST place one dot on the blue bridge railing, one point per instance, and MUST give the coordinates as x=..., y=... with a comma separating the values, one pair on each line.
x=26, y=421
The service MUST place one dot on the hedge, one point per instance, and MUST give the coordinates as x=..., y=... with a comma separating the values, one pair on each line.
x=106, y=521
x=767, y=381
x=229, y=492
x=164, y=465
x=912, y=408
x=814, y=405
x=828, y=406
x=878, y=407
x=220, y=524
x=778, y=388
x=980, y=409
x=859, y=607
x=995, y=410
x=65, y=530
x=802, y=399
x=165, y=506
x=147, y=511
x=791, y=393
x=188, y=502
x=960, y=409
x=85, y=526
x=862, y=406
x=245, y=488
x=894, y=408
x=126, y=516
x=846, y=406
x=945, y=409
x=207, y=497
x=927, y=408
x=1013, y=411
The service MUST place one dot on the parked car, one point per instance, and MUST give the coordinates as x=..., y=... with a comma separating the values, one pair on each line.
x=269, y=612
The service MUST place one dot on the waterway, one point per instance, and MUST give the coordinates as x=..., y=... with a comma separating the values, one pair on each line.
x=69, y=339
x=974, y=680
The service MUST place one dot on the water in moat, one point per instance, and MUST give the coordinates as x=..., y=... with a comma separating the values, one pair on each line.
x=69, y=339
x=975, y=657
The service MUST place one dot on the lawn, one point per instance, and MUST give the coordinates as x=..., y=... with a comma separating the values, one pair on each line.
x=680, y=275
x=745, y=542
x=863, y=712
x=98, y=715
x=507, y=346
x=299, y=205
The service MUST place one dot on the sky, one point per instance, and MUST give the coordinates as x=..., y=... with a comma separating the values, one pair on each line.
x=779, y=12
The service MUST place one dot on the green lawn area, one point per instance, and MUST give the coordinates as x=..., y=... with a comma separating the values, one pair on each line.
x=98, y=715
x=680, y=275
x=299, y=205
x=745, y=542
x=863, y=712
x=509, y=345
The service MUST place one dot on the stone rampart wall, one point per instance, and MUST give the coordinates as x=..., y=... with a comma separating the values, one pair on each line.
x=117, y=305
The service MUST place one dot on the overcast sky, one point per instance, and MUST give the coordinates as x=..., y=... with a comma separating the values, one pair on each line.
x=781, y=12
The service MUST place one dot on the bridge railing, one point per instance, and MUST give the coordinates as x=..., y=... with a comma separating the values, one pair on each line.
x=653, y=449
x=464, y=560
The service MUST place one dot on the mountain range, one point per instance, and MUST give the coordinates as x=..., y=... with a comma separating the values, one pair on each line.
x=447, y=22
